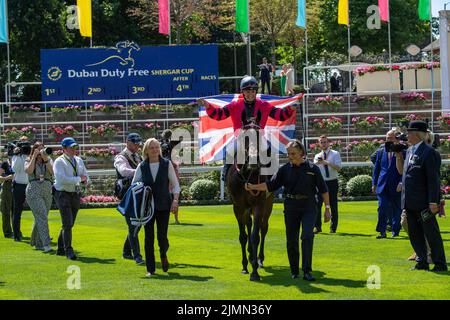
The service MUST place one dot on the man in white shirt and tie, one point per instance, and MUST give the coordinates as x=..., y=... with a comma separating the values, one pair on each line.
x=70, y=174
x=329, y=163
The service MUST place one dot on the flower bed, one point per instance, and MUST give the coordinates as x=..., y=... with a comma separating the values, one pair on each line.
x=104, y=131
x=331, y=124
x=444, y=121
x=413, y=98
x=445, y=145
x=182, y=111
x=146, y=130
x=369, y=101
x=368, y=123
x=144, y=111
x=363, y=148
x=360, y=71
x=403, y=122
x=329, y=103
x=98, y=199
x=60, y=132
x=107, y=108
x=14, y=133
x=315, y=147
x=103, y=153
x=22, y=112
x=189, y=126
x=69, y=112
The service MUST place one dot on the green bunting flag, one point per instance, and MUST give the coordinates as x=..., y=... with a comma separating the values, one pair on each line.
x=424, y=10
x=242, y=16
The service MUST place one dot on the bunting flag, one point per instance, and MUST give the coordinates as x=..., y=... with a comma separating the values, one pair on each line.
x=3, y=22
x=164, y=17
x=85, y=17
x=424, y=9
x=214, y=136
x=301, y=16
x=242, y=24
x=343, y=12
x=383, y=5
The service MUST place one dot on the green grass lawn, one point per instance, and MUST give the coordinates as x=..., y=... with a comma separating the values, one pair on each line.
x=205, y=261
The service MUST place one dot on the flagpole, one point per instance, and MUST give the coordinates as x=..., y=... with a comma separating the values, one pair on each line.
x=249, y=47
x=91, y=41
x=432, y=67
x=170, y=30
x=8, y=99
x=390, y=64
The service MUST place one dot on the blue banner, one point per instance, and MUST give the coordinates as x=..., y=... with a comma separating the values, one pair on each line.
x=127, y=71
x=301, y=16
x=3, y=22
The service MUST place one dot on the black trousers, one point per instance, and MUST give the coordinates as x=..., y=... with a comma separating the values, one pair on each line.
x=429, y=230
x=162, y=224
x=265, y=82
x=304, y=214
x=333, y=188
x=18, y=202
x=68, y=204
x=131, y=245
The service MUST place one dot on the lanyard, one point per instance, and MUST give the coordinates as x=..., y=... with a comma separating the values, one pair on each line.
x=74, y=166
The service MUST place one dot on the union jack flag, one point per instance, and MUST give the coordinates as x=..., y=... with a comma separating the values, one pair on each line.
x=214, y=136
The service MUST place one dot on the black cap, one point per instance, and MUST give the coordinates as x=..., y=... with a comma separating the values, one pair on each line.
x=135, y=138
x=417, y=125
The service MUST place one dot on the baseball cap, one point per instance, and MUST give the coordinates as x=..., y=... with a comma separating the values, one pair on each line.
x=135, y=138
x=68, y=142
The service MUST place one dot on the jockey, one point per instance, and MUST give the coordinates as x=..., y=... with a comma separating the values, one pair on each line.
x=247, y=106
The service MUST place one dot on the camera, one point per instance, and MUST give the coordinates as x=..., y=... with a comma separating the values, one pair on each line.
x=24, y=148
x=392, y=147
x=319, y=158
x=48, y=151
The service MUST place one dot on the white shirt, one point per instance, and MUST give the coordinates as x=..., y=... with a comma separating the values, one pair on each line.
x=332, y=156
x=123, y=166
x=65, y=177
x=18, y=166
x=154, y=167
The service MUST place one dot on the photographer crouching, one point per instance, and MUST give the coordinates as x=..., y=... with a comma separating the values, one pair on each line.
x=20, y=153
x=39, y=193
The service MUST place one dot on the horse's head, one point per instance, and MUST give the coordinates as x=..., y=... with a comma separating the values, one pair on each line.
x=249, y=142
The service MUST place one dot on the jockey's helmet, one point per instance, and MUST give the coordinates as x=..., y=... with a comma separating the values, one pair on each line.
x=249, y=82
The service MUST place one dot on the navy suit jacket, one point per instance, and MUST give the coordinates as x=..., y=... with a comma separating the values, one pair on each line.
x=421, y=178
x=385, y=175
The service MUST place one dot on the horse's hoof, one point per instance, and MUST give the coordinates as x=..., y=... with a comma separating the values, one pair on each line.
x=255, y=277
x=260, y=264
x=244, y=272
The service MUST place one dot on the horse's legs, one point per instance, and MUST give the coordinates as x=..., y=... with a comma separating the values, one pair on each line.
x=255, y=242
x=240, y=217
x=264, y=229
x=248, y=223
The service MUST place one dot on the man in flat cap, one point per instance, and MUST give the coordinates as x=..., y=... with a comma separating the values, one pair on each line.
x=420, y=198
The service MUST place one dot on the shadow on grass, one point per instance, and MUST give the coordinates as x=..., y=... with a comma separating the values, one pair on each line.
x=2, y=284
x=281, y=276
x=187, y=224
x=184, y=265
x=177, y=276
x=344, y=234
x=95, y=260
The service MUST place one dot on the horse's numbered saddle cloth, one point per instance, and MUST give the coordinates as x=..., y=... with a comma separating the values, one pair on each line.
x=137, y=204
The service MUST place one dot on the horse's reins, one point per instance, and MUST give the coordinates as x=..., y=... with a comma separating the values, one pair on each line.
x=254, y=193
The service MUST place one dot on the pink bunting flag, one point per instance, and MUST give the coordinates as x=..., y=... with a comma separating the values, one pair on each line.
x=384, y=10
x=164, y=22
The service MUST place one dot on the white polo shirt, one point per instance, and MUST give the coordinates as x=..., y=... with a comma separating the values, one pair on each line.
x=331, y=156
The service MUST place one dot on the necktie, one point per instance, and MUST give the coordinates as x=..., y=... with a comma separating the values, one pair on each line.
x=327, y=172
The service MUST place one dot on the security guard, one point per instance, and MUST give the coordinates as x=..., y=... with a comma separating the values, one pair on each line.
x=300, y=179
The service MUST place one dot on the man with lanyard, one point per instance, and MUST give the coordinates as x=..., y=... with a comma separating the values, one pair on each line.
x=329, y=163
x=70, y=173
x=245, y=107
x=126, y=163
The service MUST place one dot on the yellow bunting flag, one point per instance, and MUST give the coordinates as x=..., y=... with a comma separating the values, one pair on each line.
x=85, y=17
x=343, y=12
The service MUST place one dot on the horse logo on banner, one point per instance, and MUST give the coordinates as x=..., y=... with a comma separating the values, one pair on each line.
x=124, y=50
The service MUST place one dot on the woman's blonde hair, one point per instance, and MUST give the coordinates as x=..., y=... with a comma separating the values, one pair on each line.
x=147, y=146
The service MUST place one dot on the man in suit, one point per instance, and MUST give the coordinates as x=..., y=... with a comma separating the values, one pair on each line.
x=420, y=195
x=334, y=82
x=386, y=183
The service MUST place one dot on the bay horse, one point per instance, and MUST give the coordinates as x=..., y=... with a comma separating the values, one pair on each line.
x=250, y=203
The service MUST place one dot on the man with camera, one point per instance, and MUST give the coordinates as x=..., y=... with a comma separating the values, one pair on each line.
x=6, y=177
x=386, y=183
x=420, y=198
x=329, y=162
x=20, y=154
x=126, y=163
x=70, y=173
x=266, y=70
